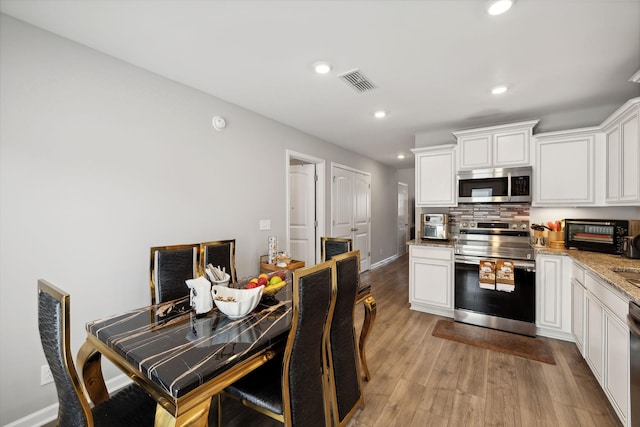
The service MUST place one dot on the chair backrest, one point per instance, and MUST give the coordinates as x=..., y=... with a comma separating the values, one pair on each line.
x=305, y=389
x=344, y=375
x=332, y=246
x=221, y=253
x=53, y=324
x=170, y=268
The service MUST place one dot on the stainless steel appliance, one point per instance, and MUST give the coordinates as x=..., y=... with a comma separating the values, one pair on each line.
x=435, y=226
x=506, y=185
x=512, y=311
x=598, y=235
x=631, y=246
x=633, y=320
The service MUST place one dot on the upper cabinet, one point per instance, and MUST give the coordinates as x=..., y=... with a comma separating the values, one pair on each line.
x=622, y=140
x=495, y=146
x=435, y=175
x=565, y=167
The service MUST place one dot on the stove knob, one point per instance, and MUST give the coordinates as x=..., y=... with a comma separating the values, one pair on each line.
x=523, y=226
x=514, y=226
x=464, y=224
x=472, y=224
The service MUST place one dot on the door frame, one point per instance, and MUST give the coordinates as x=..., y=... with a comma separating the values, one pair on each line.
x=320, y=195
x=407, y=233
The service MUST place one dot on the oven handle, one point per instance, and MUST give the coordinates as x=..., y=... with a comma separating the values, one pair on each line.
x=531, y=266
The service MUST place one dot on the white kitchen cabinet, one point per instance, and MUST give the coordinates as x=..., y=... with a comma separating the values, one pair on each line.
x=622, y=139
x=431, y=279
x=577, y=314
x=578, y=306
x=435, y=176
x=565, y=167
x=553, y=296
x=496, y=146
x=616, y=364
x=594, y=319
x=607, y=342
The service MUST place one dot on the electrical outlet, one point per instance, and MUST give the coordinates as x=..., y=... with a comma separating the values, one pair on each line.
x=46, y=376
x=265, y=224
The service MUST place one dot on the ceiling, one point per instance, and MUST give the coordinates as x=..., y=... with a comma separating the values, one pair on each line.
x=433, y=62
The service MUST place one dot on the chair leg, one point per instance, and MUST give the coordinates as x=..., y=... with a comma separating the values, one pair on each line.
x=219, y=404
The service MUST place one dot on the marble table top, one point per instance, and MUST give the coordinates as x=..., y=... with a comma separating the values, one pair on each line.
x=180, y=351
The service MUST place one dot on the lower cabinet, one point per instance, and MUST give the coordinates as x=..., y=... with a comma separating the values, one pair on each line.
x=431, y=279
x=553, y=296
x=602, y=335
x=577, y=314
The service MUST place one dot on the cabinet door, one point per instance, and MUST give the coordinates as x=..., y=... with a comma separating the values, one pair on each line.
x=577, y=314
x=594, y=356
x=436, y=178
x=565, y=175
x=549, y=291
x=612, y=139
x=475, y=152
x=630, y=158
x=432, y=284
x=511, y=149
x=616, y=369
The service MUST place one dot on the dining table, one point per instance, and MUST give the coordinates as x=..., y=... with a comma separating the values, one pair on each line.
x=183, y=360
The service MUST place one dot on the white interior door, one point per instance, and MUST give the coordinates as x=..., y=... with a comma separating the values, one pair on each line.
x=351, y=210
x=403, y=217
x=302, y=212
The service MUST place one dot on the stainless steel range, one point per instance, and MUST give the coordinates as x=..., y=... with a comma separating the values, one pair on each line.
x=495, y=276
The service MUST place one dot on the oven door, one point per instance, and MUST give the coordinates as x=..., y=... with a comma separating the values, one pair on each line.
x=510, y=311
x=434, y=231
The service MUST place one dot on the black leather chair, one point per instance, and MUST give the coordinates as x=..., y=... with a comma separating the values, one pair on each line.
x=131, y=406
x=171, y=267
x=293, y=388
x=332, y=246
x=344, y=377
x=221, y=254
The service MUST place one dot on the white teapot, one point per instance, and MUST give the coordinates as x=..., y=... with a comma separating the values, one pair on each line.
x=201, y=299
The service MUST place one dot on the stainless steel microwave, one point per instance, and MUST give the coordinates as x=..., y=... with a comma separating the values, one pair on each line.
x=505, y=185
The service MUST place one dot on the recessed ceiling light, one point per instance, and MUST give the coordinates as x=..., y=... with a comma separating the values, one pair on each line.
x=500, y=6
x=401, y=156
x=499, y=89
x=380, y=114
x=322, y=67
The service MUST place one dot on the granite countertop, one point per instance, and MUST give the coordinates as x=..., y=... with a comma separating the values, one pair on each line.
x=440, y=243
x=602, y=265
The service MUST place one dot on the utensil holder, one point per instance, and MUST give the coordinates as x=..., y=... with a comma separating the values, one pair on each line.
x=556, y=236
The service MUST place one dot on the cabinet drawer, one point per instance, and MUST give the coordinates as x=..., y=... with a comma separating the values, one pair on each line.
x=445, y=254
x=577, y=273
x=616, y=304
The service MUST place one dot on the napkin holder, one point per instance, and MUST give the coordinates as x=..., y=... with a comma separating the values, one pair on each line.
x=200, y=295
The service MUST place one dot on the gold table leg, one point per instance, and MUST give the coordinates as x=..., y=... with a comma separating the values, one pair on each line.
x=90, y=369
x=198, y=416
x=369, y=316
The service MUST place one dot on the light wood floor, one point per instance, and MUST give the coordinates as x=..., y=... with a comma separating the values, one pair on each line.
x=421, y=380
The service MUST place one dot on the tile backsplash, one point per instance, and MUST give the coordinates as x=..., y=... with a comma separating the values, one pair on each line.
x=489, y=212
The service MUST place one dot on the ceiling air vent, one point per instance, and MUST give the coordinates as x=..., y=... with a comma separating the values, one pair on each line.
x=357, y=80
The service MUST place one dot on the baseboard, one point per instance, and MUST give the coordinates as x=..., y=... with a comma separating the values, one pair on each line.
x=50, y=413
x=384, y=261
x=559, y=335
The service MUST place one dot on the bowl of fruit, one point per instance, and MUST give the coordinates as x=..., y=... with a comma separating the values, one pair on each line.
x=271, y=283
x=236, y=303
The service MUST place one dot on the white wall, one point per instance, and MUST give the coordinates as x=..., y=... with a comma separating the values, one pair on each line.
x=100, y=160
